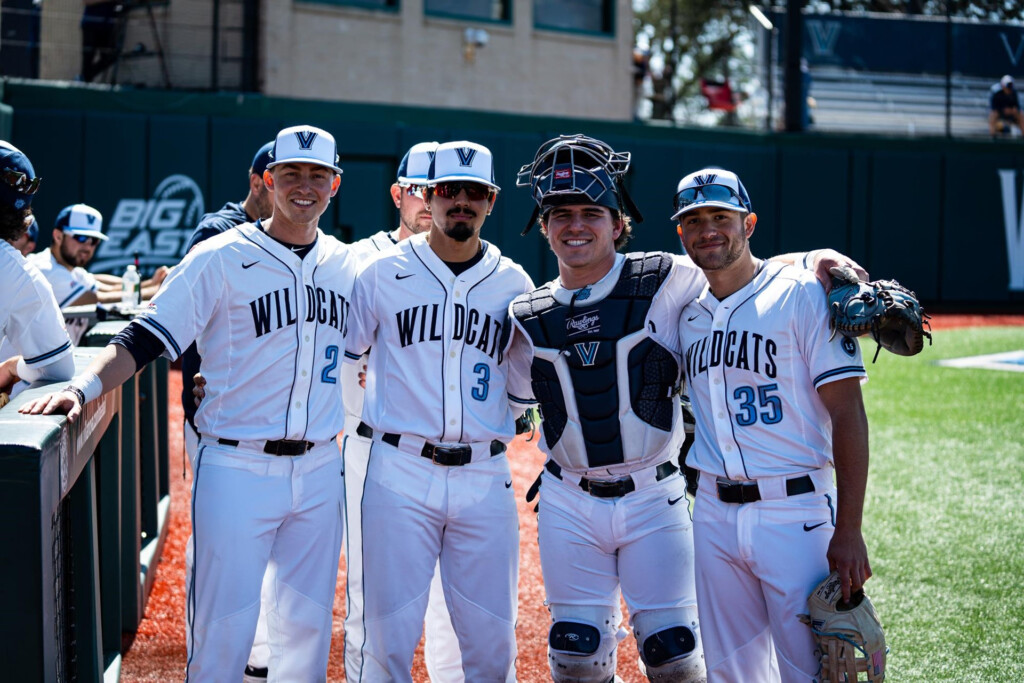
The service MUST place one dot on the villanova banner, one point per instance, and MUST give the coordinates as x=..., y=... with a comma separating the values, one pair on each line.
x=158, y=229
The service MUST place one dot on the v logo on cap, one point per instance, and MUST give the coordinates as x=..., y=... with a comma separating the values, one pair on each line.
x=305, y=138
x=466, y=155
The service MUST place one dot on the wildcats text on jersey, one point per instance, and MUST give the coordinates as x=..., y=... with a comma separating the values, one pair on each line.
x=739, y=349
x=424, y=323
x=274, y=310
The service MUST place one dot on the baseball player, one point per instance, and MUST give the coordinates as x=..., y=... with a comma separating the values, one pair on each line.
x=441, y=653
x=778, y=406
x=603, y=351
x=33, y=342
x=268, y=304
x=76, y=233
x=438, y=486
x=26, y=244
x=258, y=204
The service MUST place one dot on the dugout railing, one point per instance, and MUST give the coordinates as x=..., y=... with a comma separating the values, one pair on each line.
x=87, y=508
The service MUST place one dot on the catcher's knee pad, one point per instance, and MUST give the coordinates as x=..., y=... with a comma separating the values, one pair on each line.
x=582, y=643
x=669, y=644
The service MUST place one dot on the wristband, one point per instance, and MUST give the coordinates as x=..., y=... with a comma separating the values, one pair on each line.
x=89, y=385
x=72, y=389
x=809, y=259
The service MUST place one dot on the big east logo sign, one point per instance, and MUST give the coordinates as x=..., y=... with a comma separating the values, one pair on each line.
x=157, y=229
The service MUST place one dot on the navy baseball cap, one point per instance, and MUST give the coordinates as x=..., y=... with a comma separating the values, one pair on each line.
x=263, y=158
x=711, y=187
x=81, y=219
x=18, y=181
x=416, y=164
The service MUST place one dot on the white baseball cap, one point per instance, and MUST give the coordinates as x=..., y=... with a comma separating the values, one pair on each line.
x=416, y=163
x=711, y=187
x=1006, y=80
x=462, y=160
x=305, y=145
x=81, y=219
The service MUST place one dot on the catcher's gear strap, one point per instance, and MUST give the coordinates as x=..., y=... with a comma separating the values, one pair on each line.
x=582, y=643
x=669, y=644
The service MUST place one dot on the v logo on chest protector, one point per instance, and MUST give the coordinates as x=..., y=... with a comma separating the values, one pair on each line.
x=587, y=351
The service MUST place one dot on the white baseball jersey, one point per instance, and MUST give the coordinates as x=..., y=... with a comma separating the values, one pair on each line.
x=589, y=344
x=363, y=251
x=30, y=321
x=250, y=304
x=753, y=363
x=439, y=336
x=68, y=286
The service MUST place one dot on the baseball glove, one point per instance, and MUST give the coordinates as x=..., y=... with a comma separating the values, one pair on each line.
x=848, y=635
x=884, y=308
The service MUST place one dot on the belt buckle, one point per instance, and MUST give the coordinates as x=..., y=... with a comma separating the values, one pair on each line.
x=608, y=489
x=448, y=453
x=745, y=493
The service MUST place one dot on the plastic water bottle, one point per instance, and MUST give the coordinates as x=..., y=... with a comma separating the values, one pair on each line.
x=131, y=287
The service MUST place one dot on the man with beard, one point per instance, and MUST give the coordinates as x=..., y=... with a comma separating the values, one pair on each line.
x=76, y=234
x=438, y=487
x=441, y=651
x=779, y=409
x=602, y=349
x=32, y=331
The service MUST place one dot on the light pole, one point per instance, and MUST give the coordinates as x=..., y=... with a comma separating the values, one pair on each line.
x=769, y=28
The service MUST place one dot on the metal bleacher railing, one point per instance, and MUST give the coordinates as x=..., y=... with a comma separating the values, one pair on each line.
x=89, y=506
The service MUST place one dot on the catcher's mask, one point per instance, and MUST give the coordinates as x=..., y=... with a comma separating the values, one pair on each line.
x=576, y=169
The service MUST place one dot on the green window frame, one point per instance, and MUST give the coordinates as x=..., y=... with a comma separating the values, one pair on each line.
x=383, y=5
x=491, y=11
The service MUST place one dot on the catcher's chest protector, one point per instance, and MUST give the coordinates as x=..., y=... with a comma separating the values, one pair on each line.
x=605, y=388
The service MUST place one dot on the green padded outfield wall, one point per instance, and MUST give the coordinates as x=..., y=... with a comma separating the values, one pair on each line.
x=943, y=216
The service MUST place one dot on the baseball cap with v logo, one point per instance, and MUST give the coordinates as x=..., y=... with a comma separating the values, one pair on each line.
x=81, y=219
x=305, y=145
x=462, y=160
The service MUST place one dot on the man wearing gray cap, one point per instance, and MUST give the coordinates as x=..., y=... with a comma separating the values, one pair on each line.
x=31, y=326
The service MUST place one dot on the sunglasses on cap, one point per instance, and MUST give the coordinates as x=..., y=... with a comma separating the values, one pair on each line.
x=474, y=191
x=20, y=181
x=710, y=193
x=85, y=239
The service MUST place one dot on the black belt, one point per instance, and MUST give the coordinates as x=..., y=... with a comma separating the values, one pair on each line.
x=279, y=447
x=749, y=493
x=612, y=489
x=449, y=456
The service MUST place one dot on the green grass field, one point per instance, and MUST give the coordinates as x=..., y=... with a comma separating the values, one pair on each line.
x=944, y=521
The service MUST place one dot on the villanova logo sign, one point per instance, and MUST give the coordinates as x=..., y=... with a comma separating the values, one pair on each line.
x=1013, y=219
x=466, y=155
x=305, y=138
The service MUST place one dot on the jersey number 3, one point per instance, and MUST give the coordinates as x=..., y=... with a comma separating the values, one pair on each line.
x=482, y=383
x=768, y=407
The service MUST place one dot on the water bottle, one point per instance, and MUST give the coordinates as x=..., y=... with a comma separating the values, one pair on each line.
x=131, y=287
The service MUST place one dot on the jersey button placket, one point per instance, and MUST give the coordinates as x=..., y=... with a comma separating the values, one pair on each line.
x=719, y=395
x=453, y=403
x=305, y=360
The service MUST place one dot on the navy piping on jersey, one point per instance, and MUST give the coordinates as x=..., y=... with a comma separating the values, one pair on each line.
x=462, y=388
x=518, y=399
x=443, y=336
x=732, y=423
x=838, y=371
x=49, y=354
x=75, y=293
x=295, y=356
x=316, y=323
x=831, y=509
x=166, y=334
x=191, y=597
x=353, y=356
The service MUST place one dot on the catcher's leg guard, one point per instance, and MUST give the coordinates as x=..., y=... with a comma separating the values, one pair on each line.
x=582, y=643
x=669, y=644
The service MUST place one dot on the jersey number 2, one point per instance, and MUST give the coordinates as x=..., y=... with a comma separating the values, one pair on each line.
x=772, y=405
x=483, y=383
x=331, y=354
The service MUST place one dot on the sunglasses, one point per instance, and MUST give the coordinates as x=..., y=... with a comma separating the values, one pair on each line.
x=85, y=239
x=474, y=191
x=413, y=190
x=711, y=193
x=20, y=181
